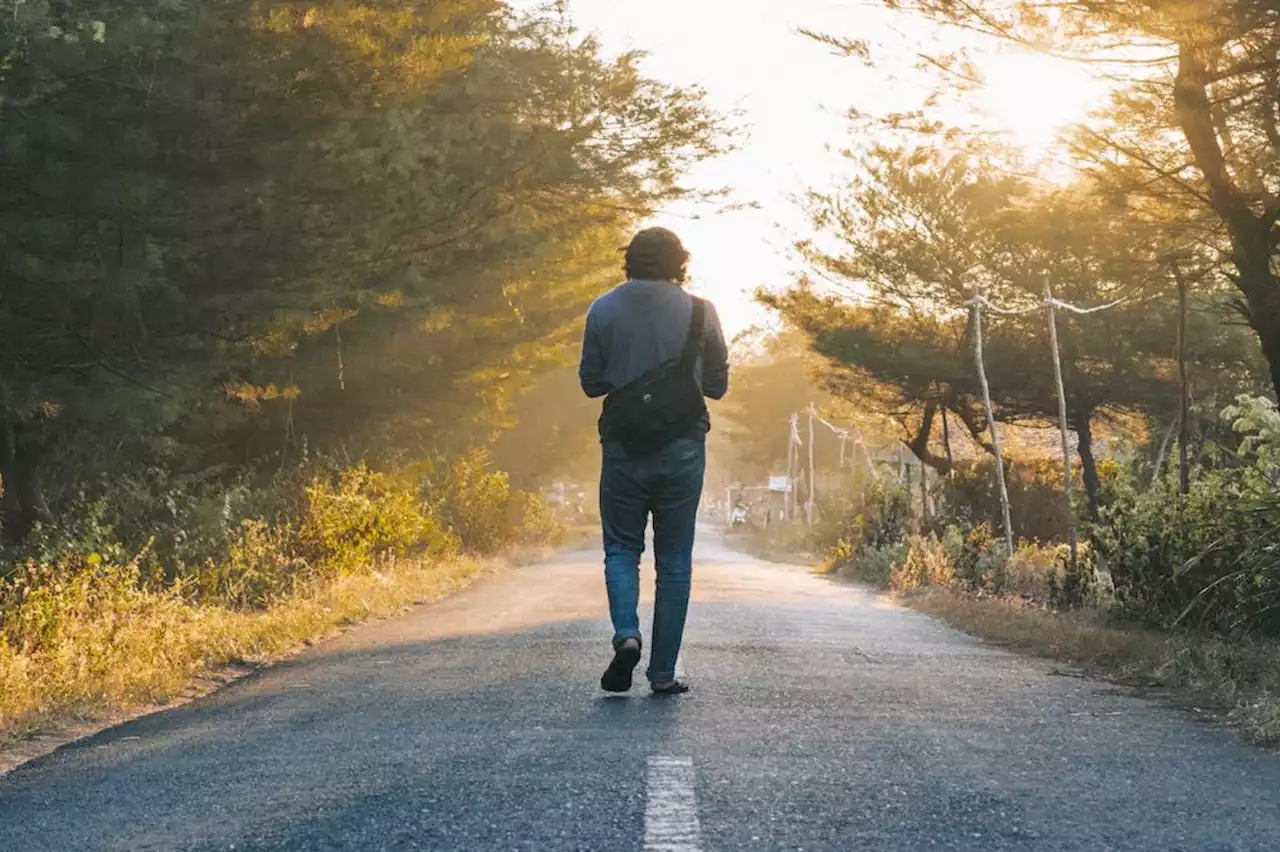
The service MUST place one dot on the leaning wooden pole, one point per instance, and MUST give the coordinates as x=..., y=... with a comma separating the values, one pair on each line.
x=1062, y=423
x=789, y=499
x=1184, y=399
x=808, y=508
x=991, y=424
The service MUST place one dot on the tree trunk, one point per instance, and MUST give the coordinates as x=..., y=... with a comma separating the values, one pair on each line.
x=919, y=443
x=10, y=510
x=22, y=502
x=1250, y=232
x=1264, y=317
x=1092, y=483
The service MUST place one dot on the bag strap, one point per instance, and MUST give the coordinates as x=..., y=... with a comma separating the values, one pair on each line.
x=693, y=342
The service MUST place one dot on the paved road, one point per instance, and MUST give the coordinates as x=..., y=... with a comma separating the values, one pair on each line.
x=823, y=718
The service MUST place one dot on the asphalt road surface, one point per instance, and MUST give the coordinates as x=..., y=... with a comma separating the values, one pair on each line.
x=823, y=717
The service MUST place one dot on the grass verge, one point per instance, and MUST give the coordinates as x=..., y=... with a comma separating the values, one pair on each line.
x=778, y=543
x=117, y=649
x=1238, y=681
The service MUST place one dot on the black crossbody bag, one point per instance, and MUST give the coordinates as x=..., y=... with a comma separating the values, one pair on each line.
x=662, y=405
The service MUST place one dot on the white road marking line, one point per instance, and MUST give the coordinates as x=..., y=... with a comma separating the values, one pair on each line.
x=670, y=809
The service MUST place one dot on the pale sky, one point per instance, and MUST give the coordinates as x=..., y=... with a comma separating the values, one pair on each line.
x=793, y=96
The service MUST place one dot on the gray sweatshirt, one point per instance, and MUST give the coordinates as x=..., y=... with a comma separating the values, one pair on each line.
x=639, y=325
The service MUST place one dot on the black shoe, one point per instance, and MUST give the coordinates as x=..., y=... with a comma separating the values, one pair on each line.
x=671, y=687
x=617, y=678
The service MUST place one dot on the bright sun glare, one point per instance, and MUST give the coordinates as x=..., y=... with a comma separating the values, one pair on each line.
x=1034, y=98
x=791, y=96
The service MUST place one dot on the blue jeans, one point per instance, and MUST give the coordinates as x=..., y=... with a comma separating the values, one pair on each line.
x=669, y=485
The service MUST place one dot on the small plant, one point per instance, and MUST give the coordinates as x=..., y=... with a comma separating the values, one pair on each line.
x=535, y=520
x=348, y=524
x=475, y=503
x=1033, y=571
x=875, y=565
x=838, y=556
x=926, y=564
x=979, y=562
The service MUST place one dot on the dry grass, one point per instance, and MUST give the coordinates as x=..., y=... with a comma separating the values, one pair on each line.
x=117, y=647
x=1240, y=681
x=779, y=542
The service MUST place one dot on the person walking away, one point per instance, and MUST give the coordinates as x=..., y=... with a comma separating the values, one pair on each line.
x=655, y=353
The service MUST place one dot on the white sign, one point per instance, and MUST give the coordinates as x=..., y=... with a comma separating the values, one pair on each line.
x=779, y=483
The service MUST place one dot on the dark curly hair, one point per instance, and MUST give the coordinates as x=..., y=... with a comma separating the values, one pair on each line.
x=656, y=254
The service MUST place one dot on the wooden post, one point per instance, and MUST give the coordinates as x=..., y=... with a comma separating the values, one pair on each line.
x=991, y=424
x=1164, y=449
x=946, y=441
x=949, y=493
x=1184, y=400
x=808, y=509
x=789, y=502
x=1062, y=423
x=924, y=496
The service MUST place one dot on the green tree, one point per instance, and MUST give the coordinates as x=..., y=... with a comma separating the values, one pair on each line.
x=1193, y=130
x=918, y=235
x=237, y=230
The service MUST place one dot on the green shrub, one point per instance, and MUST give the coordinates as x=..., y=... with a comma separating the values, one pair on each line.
x=84, y=530
x=261, y=566
x=536, y=520
x=784, y=540
x=1211, y=559
x=1034, y=571
x=38, y=602
x=349, y=523
x=883, y=516
x=475, y=503
x=1035, y=497
x=925, y=564
x=980, y=560
x=838, y=556
x=875, y=565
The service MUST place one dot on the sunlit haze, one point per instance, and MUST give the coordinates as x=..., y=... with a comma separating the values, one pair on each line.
x=791, y=97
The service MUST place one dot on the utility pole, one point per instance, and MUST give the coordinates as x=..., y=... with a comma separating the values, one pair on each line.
x=991, y=424
x=808, y=510
x=925, y=511
x=789, y=499
x=1184, y=399
x=1062, y=423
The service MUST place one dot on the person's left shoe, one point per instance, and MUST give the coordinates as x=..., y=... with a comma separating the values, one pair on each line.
x=617, y=678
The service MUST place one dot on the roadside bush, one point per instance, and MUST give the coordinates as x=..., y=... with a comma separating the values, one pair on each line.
x=86, y=530
x=835, y=518
x=535, y=520
x=838, y=556
x=925, y=564
x=1034, y=571
x=475, y=503
x=865, y=539
x=261, y=566
x=1035, y=497
x=980, y=559
x=88, y=620
x=785, y=540
x=40, y=604
x=348, y=524
x=1212, y=559
x=875, y=565
x=883, y=516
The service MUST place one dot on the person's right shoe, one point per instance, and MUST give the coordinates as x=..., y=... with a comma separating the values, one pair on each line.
x=617, y=678
x=670, y=687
